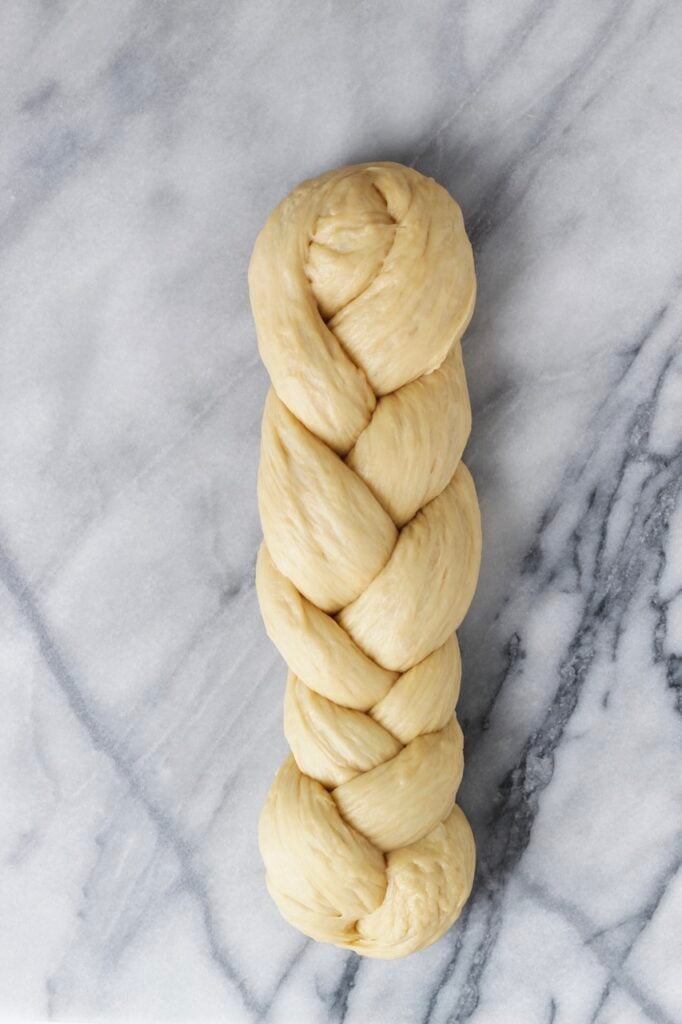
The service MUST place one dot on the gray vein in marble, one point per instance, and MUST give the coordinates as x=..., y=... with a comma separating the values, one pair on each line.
x=111, y=748
x=338, y=1001
x=610, y=590
x=613, y=959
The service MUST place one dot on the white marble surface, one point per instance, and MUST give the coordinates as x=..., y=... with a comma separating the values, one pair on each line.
x=142, y=146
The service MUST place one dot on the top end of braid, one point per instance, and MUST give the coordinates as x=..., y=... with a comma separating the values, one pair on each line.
x=361, y=281
x=353, y=235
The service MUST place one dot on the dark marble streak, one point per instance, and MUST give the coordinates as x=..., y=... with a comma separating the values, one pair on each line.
x=608, y=591
x=612, y=959
x=499, y=200
x=105, y=742
x=284, y=977
x=340, y=996
x=137, y=79
x=672, y=662
x=501, y=60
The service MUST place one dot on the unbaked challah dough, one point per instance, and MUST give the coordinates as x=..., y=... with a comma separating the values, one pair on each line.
x=362, y=283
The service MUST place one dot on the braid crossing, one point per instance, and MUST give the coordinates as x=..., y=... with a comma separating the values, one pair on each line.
x=362, y=284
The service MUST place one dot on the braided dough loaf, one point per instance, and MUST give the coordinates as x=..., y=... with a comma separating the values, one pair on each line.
x=362, y=283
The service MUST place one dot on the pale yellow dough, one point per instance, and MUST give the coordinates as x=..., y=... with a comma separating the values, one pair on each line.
x=362, y=284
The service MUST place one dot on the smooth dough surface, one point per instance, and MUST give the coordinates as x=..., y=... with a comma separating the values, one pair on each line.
x=362, y=284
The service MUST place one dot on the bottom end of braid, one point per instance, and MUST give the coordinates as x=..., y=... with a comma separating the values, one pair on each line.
x=334, y=886
x=429, y=883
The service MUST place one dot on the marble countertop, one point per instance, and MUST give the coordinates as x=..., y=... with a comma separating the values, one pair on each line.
x=143, y=145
